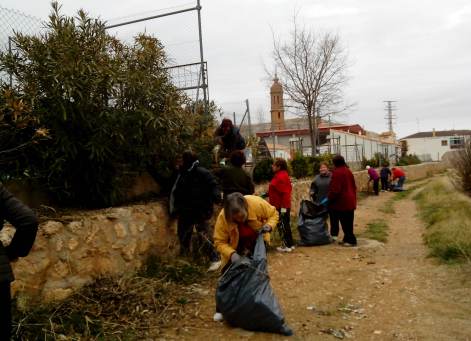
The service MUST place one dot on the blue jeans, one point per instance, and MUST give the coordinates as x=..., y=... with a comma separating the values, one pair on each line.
x=400, y=182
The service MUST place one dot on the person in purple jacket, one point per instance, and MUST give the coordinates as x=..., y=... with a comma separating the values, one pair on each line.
x=373, y=174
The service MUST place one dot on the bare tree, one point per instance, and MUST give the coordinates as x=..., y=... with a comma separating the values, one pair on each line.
x=313, y=70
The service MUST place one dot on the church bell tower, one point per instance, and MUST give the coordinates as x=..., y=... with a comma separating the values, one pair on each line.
x=277, y=105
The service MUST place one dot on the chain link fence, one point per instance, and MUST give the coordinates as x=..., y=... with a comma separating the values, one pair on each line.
x=178, y=34
x=11, y=22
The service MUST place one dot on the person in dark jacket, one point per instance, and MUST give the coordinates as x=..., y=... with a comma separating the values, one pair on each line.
x=26, y=225
x=320, y=185
x=192, y=199
x=279, y=195
x=342, y=201
x=229, y=138
x=385, y=174
x=234, y=178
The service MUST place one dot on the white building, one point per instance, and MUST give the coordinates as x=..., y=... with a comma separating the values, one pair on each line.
x=431, y=145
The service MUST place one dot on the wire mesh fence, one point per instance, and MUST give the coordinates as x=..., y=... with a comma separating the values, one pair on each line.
x=178, y=34
x=11, y=22
x=176, y=26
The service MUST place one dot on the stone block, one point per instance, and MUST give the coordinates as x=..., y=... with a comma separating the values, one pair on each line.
x=51, y=228
x=120, y=230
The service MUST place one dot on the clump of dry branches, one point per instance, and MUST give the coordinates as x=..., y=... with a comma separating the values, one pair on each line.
x=125, y=308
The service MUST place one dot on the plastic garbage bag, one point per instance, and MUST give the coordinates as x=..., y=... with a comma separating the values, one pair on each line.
x=312, y=224
x=245, y=298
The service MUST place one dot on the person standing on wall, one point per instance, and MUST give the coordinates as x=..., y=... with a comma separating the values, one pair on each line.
x=26, y=225
x=373, y=176
x=342, y=198
x=279, y=195
x=192, y=199
x=228, y=138
x=385, y=174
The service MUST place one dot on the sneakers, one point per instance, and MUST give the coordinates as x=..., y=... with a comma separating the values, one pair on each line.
x=348, y=244
x=214, y=266
x=334, y=238
x=283, y=249
x=218, y=317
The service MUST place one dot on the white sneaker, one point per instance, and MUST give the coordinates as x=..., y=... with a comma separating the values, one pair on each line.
x=283, y=249
x=214, y=266
x=293, y=248
x=334, y=238
x=218, y=317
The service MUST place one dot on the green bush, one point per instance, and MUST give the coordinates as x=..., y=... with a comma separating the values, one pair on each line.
x=109, y=109
x=410, y=159
x=376, y=161
x=263, y=171
x=300, y=166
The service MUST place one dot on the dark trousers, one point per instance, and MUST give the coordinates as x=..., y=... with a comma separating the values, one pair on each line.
x=185, y=232
x=345, y=218
x=384, y=184
x=5, y=311
x=376, y=186
x=285, y=228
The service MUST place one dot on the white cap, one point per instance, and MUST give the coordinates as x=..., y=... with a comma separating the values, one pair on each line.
x=368, y=167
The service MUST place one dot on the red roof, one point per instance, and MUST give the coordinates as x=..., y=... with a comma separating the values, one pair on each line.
x=353, y=128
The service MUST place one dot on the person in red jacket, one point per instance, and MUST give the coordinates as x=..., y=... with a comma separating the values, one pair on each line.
x=342, y=201
x=279, y=195
x=399, y=175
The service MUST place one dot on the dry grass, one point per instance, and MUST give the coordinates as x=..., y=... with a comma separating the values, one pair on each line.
x=128, y=308
x=447, y=213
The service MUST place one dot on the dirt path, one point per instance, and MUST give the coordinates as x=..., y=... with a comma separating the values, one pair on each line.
x=373, y=292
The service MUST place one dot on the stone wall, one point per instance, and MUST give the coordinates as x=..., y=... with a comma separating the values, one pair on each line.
x=70, y=252
x=73, y=250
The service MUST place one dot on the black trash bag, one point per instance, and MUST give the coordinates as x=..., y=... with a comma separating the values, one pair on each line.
x=245, y=298
x=312, y=224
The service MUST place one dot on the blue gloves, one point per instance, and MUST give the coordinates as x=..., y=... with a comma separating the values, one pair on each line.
x=324, y=201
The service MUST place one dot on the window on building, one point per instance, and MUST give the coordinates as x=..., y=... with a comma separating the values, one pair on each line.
x=444, y=143
x=456, y=142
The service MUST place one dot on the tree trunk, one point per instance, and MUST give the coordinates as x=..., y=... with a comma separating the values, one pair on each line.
x=311, y=131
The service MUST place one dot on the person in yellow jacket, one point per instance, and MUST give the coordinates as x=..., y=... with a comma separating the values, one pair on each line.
x=238, y=226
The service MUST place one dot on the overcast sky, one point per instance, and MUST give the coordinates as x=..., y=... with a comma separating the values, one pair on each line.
x=415, y=52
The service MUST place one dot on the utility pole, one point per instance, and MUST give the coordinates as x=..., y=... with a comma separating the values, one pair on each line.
x=235, y=123
x=203, y=71
x=390, y=116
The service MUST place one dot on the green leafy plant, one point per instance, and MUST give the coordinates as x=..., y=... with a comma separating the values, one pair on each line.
x=410, y=159
x=263, y=171
x=300, y=166
x=110, y=108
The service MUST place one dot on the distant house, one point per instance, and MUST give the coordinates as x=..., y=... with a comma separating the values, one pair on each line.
x=431, y=145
